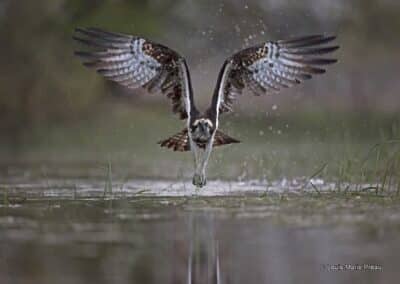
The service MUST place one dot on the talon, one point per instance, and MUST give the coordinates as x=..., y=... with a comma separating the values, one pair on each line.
x=196, y=180
x=199, y=180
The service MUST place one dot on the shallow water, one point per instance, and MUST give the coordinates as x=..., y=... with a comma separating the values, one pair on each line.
x=69, y=230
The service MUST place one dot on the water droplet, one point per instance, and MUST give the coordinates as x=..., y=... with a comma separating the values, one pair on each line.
x=274, y=107
x=237, y=28
x=246, y=6
x=261, y=133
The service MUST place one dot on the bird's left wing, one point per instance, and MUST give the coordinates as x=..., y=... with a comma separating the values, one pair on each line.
x=135, y=62
x=270, y=67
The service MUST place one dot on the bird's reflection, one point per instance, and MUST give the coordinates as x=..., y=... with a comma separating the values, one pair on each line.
x=203, y=261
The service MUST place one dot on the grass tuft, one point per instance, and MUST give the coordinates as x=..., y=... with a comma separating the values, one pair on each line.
x=5, y=197
x=108, y=183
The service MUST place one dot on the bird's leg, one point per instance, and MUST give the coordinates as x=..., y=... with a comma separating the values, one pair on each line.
x=199, y=178
x=197, y=162
x=206, y=157
x=195, y=150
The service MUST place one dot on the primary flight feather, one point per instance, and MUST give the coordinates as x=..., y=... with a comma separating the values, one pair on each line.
x=136, y=62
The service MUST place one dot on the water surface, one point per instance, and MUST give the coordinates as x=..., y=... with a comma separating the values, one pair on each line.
x=143, y=231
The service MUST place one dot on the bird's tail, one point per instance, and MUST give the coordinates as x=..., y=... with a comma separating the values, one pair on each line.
x=221, y=138
x=177, y=142
x=180, y=141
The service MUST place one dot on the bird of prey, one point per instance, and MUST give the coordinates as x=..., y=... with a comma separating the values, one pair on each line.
x=136, y=62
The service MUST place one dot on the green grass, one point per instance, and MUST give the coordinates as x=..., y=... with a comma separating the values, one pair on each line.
x=108, y=186
x=5, y=197
x=361, y=148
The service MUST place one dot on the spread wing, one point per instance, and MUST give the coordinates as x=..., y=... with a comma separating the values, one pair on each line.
x=270, y=67
x=136, y=62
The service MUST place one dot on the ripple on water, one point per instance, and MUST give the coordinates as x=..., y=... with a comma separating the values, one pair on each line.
x=164, y=188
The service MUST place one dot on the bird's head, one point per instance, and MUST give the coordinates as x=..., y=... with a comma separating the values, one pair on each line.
x=202, y=129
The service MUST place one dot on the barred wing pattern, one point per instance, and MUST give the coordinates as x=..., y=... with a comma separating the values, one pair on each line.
x=221, y=138
x=270, y=67
x=180, y=141
x=136, y=62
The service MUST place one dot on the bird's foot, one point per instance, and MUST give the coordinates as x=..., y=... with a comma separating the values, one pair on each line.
x=199, y=180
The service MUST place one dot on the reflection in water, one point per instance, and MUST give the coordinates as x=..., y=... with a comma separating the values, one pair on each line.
x=230, y=240
x=203, y=261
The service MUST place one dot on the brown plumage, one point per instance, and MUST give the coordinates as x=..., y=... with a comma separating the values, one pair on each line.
x=274, y=65
x=135, y=62
x=180, y=141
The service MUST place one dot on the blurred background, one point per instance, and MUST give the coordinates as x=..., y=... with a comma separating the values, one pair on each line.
x=79, y=155
x=52, y=110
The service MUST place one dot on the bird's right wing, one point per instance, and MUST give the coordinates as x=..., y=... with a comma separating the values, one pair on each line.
x=136, y=62
x=270, y=67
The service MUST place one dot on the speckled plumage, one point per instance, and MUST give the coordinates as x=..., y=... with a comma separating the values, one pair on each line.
x=136, y=62
x=274, y=65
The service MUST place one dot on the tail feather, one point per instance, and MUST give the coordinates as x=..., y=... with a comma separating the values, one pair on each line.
x=221, y=138
x=180, y=141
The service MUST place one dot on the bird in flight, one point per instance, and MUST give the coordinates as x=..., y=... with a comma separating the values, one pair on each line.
x=136, y=62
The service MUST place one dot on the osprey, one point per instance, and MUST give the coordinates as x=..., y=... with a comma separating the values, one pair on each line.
x=136, y=62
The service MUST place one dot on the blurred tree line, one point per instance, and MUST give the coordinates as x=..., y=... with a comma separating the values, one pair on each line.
x=41, y=83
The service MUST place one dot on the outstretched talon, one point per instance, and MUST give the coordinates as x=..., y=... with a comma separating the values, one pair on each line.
x=199, y=180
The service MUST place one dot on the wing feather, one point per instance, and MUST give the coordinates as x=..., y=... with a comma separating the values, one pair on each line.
x=135, y=62
x=178, y=142
x=270, y=67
